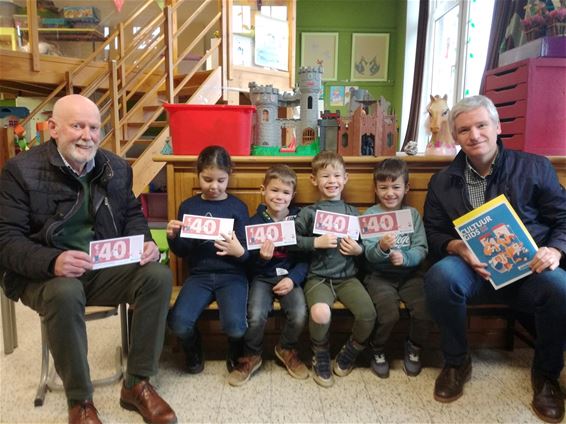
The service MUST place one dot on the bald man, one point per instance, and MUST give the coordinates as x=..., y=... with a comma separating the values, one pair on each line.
x=54, y=200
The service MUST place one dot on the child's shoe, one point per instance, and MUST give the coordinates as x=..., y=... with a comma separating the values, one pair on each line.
x=290, y=358
x=244, y=369
x=346, y=358
x=321, y=367
x=235, y=351
x=379, y=364
x=412, y=362
x=194, y=360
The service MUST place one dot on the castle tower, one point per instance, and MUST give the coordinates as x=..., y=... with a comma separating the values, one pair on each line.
x=310, y=85
x=267, y=127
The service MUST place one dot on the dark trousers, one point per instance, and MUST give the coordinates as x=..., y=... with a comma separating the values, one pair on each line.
x=386, y=293
x=260, y=304
x=451, y=285
x=61, y=303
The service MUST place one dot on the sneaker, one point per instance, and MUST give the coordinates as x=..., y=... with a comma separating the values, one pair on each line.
x=235, y=351
x=194, y=360
x=244, y=369
x=346, y=359
x=379, y=364
x=412, y=362
x=290, y=358
x=321, y=367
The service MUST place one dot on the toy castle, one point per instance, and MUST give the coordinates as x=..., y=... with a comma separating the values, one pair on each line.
x=267, y=100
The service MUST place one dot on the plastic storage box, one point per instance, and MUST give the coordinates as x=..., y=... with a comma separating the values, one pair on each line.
x=194, y=127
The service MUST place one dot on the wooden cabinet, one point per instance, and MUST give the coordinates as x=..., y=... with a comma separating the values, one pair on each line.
x=530, y=96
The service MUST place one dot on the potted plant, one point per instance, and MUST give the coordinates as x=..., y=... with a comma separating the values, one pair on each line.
x=556, y=21
x=534, y=27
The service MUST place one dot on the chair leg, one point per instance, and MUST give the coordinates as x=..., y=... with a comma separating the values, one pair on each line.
x=9, y=328
x=43, y=381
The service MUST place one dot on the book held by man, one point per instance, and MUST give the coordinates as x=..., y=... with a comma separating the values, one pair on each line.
x=497, y=236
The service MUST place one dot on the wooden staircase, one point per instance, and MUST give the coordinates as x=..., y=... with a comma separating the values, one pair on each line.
x=131, y=86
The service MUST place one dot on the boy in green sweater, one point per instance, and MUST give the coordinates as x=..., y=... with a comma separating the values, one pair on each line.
x=332, y=272
x=394, y=260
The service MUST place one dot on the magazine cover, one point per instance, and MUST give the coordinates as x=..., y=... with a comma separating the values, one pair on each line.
x=497, y=236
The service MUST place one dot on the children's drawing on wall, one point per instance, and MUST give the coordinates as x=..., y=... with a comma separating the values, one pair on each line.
x=243, y=48
x=337, y=95
x=370, y=53
x=348, y=94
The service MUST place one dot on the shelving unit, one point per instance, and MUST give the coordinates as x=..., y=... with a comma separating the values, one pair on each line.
x=69, y=34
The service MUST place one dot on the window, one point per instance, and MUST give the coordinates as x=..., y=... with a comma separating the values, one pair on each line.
x=458, y=34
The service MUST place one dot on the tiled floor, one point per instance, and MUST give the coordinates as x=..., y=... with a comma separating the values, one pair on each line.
x=499, y=391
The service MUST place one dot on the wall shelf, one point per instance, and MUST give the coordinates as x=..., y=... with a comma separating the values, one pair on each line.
x=69, y=34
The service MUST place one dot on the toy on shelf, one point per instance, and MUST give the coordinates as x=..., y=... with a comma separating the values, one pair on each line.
x=371, y=129
x=300, y=134
x=440, y=142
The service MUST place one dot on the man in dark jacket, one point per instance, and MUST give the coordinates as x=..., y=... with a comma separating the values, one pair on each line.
x=54, y=200
x=480, y=172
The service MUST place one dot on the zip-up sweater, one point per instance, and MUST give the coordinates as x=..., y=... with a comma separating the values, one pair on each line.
x=201, y=255
x=296, y=266
x=326, y=263
x=39, y=194
x=413, y=247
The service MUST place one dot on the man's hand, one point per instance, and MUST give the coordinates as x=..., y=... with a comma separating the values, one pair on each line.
x=326, y=241
x=150, y=253
x=458, y=247
x=72, y=263
x=350, y=247
x=266, y=250
x=229, y=246
x=284, y=286
x=546, y=257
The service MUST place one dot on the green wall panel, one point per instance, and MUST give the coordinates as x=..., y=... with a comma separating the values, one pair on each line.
x=358, y=16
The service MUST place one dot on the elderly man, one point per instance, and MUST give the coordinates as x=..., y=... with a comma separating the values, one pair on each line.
x=483, y=170
x=54, y=200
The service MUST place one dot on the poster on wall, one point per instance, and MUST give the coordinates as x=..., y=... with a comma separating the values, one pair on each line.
x=242, y=50
x=321, y=49
x=370, y=55
x=337, y=95
x=271, y=43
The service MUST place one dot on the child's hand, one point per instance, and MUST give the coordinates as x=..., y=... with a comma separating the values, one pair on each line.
x=387, y=242
x=350, y=247
x=229, y=246
x=326, y=241
x=173, y=228
x=266, y=250
x=396, y=257
x=283, y=287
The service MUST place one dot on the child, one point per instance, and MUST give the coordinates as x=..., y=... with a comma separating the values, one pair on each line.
x=394, y=260
x=276, y=273
x=216, y=268
x=332, y=272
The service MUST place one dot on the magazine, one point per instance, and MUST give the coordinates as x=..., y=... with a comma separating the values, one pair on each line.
x=497, y=236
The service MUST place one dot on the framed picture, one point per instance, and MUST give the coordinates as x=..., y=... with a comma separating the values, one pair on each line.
x=370, y=57
x=321, y=48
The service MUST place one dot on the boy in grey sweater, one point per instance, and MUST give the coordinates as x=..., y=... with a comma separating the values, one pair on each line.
x=394, y=260
x=332, y=272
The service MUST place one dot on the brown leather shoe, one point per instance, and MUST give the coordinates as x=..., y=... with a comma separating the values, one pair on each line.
x=84, y=413
x=548, y=399
x=449, y=384
x=143, y=399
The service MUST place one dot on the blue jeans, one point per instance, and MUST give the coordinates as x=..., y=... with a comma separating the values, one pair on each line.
x=451, y=284
x=198, y=291
x=259, y=306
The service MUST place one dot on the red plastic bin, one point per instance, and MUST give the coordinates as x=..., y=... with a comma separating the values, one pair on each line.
x=194, y=127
